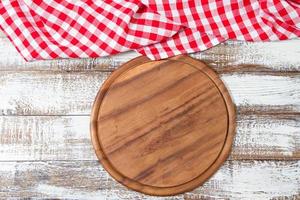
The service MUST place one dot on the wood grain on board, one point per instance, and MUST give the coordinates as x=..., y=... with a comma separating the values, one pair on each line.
x=88, y=180
x=163, y=127
x=263, y=79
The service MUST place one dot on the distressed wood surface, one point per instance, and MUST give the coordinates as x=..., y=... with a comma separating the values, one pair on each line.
x=87, y=180
x=30, y=138
x=45, y=149
x=72, y=93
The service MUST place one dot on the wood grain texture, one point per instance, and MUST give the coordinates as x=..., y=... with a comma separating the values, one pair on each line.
x=255, y=57
x=163, y=127
x=44, y=93
x=267, y=128
x=55, y=93
x=30, y=138
x=275, y=136
x=45, y=138
x=87, y=180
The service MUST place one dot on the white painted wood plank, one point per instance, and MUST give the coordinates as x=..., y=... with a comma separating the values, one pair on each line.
x=54, y=93
x=232, y=56
x=24, y=138
x=44, y=93
x=264, y=92
x=267, y=137
x=254, y=56
x=88, y=180
x=45, y=138
x=252, y=180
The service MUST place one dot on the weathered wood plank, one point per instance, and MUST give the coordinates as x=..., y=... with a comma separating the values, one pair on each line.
x=267, y=137
x=45, y=138
x=88, y=180
x=264, y=93
x=25, y=138
x=44, y=93
x=232, y=56
x=55, y=93
x=239, y=56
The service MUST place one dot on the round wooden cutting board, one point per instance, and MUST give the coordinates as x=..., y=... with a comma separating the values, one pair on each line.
x=162, y=127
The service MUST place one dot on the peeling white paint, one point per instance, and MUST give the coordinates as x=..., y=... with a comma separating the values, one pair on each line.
x=264, y=90
x=87, y=180
x=68, y=87
x=267, y=134
x=61, y=192
x=253, y=180
x=49, y=93
x=45, y=138
x=68, y=138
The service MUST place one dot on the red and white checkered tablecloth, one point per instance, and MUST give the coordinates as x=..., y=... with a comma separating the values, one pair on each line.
x=156, y=28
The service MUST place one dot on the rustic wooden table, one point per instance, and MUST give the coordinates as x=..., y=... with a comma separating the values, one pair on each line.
x=45, y=147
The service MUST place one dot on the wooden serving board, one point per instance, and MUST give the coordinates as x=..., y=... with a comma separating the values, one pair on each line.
x=162, y=127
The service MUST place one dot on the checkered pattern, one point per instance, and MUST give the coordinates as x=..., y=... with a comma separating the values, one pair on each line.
x=156, y=28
